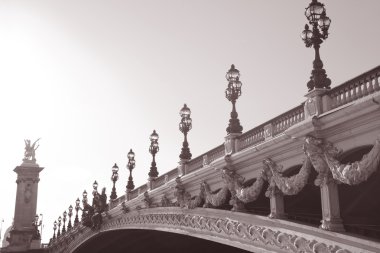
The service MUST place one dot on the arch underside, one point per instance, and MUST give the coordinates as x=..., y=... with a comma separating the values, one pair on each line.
x=239, y=230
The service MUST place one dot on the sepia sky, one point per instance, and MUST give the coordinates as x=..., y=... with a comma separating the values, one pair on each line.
x=92, y=79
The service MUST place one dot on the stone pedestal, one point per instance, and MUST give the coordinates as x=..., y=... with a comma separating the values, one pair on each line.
x=231, y=142
x=330, y=207
x=182, y=167
x=26, y=206
x=150, y=183
x=315, y=105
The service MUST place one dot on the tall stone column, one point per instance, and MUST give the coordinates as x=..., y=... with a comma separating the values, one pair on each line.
x=24, y=234
x=21, y=235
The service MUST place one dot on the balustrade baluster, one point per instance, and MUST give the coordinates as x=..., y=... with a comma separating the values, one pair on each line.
x=376, y=77
x=370, y=87
x=359, y=93
x=348, y=97
x=354, y=95
x=338, y=99
x=343, y=94
x=334, y=102
x=364, y=85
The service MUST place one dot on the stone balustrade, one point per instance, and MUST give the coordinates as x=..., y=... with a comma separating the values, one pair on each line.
x=358, y=87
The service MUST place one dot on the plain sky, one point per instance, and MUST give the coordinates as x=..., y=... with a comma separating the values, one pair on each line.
x=94, y=78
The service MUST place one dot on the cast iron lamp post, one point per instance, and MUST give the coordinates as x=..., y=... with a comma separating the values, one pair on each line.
x=59, y=226
x=130, y=166
x=54, y=228
x=185, y=126
x=95, y=187
x=316, y=15
x=233, y=92
x=69, y=226
x=153, y=149
x=64, y=222
x=76, y=220
x=114, y=178
x=38, y=222
x=84, y=202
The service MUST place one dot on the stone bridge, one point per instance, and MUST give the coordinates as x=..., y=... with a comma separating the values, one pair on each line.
x=297, y=183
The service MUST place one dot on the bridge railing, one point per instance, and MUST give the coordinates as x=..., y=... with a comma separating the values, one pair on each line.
x=358, y=87
x=277, y=125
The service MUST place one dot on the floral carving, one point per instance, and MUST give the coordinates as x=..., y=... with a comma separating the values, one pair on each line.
x=323, y=157
x=165, y=202
x=249, y=194
x=184, y=198
x=258, y=236
x=287, y=185
x=314, y=149
x=214, y=199
x=148, y=203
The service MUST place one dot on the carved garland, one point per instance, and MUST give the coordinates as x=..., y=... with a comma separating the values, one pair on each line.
x=323, y=154
x=287, y=185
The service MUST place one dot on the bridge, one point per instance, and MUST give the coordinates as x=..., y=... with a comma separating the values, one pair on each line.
x=301, y=182
x=304, y=181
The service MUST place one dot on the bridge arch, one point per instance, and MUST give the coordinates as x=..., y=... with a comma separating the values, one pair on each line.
x=245, y=231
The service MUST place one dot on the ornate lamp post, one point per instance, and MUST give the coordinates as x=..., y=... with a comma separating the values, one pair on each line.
x=153, y=149
x=185, y=126
x=76, y=220
x=38, y=223
x=320, y=23
x=84, y=201
x=64, y=222
x=233, y=92
x=54, y=228
x=59, y=226
x=114, y=178
x=69, y=226
x=130, y=166
x=95, y=188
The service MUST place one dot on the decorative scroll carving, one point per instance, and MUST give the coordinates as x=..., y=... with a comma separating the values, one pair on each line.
x=181, y=194
x=323, y=154
x=214, y=199
x=314, y=149
x=148, y=203
x=358, y=171
x=287, y=185
x=184, y=198
x=124, y=208
x=249, y=194
x=165, y=202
